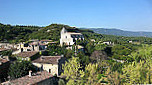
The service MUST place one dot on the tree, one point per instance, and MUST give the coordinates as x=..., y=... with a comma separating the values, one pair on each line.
x=61, y=82
x=91, y=73
x=69, y=53
x=19, y=69
x=90, y=47
x=113, y=78
x=72, y=71
x=56, y=50
x=139, y=71
x=135, y=73
x=100, y=47
x=143, y=53
x=98, y=56
x=84, y=59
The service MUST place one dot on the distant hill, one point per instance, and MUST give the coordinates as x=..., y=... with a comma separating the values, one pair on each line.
x=17, y=33
x=119, y=32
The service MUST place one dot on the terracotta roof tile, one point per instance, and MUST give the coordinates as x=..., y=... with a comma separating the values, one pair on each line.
x=48, y=59
x=27, y=54
x=3, y=49
x=26, y=80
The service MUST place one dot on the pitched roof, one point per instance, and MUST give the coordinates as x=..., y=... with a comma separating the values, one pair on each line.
x=74, y=33
x=27, y=54
x=47, y=59
x=3, y=49
x=26, y=80
x=46, y=40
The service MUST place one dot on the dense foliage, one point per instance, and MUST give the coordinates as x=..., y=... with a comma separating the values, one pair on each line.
x=125, y=60
x=20, y=68
x=16, y=33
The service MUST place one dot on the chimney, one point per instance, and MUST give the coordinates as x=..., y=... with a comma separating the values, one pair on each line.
x=30, y=73
x=41, y=58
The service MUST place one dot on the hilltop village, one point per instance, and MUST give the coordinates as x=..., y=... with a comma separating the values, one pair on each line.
x=63, y=55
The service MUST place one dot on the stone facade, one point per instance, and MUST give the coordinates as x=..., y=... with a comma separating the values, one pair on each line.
x=52, y=64
x=69, y=38
x=29, y=56
x=33, y=46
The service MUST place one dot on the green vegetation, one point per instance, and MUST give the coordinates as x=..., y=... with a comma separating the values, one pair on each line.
x=14, y=34
x=121, y=62
x=19, y=69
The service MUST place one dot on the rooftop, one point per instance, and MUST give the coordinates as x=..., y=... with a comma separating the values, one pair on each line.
x=74, y=33
x=26, y=80
x=3, y=49
x=48, y=59
x=46, y=40
x=27, y=54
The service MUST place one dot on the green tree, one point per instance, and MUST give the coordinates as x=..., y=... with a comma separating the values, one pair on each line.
x=135, y=73
x=113, y=78
x=61, y=82
x=139, y=71
x=100, y=46
x=19, y=69
x=73, y=72
x=91, y=73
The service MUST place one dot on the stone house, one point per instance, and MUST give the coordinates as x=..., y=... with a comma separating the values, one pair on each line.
x=29, y=55
x=3, y=49
x=39, y=78
x=33, y=46
x=7, y=45
x=52, y=64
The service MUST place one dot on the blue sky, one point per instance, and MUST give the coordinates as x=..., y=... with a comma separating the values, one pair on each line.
x=132, y=15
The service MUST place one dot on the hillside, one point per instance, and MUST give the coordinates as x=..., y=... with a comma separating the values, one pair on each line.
x=17, y=33
x=9, y=33
x=119, y=32
x=53, y=32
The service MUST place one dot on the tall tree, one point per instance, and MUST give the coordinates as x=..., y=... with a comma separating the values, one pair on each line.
x=73, y=72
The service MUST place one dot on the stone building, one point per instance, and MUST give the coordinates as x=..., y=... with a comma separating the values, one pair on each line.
x=33, y=46
x=52, y=64
x=29, y=55
x=69, y=38
x=39, y=78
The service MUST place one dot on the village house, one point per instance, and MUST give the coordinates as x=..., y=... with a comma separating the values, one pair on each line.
x=4, y=65
x=3, y=49
x=7, y=45
x=39, y=78
x=130, y=41
x=69, y=38
x=23, y=47
x=106, y=42
x=52, y=64
x=93, y=40
x=29, y=55
x=33, y=46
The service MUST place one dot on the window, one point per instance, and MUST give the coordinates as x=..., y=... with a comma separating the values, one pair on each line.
x=49, y=70
x=28, y=50
x=69, y=43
